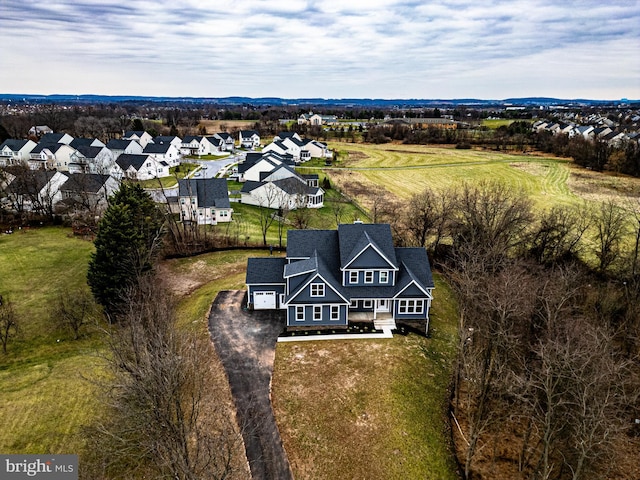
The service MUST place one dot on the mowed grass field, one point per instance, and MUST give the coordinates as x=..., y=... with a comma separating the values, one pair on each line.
x=45, y=393
x=47, y=380
x=403, y=170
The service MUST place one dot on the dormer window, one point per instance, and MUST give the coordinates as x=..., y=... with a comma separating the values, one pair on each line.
x=317, y=289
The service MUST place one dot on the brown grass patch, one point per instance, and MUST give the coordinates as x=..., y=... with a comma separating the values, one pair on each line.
x=603, y=186
x=215, y=126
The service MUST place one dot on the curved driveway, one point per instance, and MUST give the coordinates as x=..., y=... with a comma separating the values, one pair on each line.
x=245, y=342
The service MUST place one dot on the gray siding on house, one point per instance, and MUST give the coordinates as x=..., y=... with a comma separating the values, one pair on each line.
x=362, y=275
x=369, y=259
x=308, y=316
x=304, y=296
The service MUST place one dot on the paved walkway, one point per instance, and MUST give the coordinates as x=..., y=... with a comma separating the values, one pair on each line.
x=245, y=342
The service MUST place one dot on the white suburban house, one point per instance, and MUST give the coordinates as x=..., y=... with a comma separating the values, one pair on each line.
x=15, y=151
x=316, y=120
x=38, y=191
x=164, y=152
x=227, y=142
x=51, y=156
x=87, y=159
x=204, y=201
x=140, y=167
x=249, y=139
x=198, y=145
x=120, y=146
x=140, y=136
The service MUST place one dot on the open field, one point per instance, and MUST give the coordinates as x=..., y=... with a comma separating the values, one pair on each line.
x=403, y=170
x=45, y=397
x=369, y=408
x=215, y=126
x=46, y=390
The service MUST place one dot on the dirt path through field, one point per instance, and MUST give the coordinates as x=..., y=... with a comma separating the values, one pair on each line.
x=246, y=342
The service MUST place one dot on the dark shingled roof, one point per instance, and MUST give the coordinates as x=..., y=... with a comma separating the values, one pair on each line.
x=157, y=148
x=416, y=267
x=88, y=151
x=13, y=144
x=127, y=160
x=118, y=144
x=85, y=182
x=211, y=192
x=265, y=270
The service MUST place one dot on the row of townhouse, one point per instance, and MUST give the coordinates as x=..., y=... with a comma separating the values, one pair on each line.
x=270, y=179
x=136, y=155
x=301, y=150
x=47, y=191
x=605, y=131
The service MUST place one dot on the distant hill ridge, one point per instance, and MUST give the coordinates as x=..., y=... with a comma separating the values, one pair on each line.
x=339, y=102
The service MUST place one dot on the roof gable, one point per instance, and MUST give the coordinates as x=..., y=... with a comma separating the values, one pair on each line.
x=354, y=239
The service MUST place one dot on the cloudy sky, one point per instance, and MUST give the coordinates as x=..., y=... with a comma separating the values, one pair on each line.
x=487, y=49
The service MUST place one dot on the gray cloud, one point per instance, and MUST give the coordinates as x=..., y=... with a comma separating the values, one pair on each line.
x=330, y=48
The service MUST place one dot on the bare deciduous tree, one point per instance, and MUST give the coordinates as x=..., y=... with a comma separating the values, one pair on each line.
x=558, y=233
x=491, y=218
x=610, y=223
x=9, y=327
x=74, y=311
x=165, y=420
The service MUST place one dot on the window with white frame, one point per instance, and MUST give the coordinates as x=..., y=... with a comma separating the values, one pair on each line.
x=317, y=289
x=335, y=312
x=367, y=304
x=353, y=277
x=354, y=303
x=411, y=306
x=317, y=313
x=368, y=277
x=300, y=314
x=384, y=277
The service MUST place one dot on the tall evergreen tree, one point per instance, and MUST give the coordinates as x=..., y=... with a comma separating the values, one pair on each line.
x=129, y=237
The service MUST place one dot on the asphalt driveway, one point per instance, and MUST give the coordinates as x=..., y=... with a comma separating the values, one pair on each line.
x=245, y=342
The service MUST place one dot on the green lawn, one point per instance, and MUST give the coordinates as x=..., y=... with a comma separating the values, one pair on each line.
x=45, y=395
x=369, y=408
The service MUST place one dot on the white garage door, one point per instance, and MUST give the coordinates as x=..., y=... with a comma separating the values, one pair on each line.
x=264, y=300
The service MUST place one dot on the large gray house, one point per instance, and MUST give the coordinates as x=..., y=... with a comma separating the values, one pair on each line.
x=354, y=273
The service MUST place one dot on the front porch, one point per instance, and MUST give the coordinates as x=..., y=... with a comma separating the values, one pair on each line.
x=381, y=320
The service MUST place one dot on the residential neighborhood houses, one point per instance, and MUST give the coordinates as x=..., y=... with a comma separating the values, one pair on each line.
x=269, y=175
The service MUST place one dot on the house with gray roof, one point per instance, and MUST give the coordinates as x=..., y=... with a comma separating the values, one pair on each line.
x=90, y=159
x=352, y=274
x=226, y=141
x=13, y=152
x=249, y=139
x=141, y=167
x=164, y=152
x=204, y=201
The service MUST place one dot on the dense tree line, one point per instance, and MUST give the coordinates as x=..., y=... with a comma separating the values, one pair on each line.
x=546, y=382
